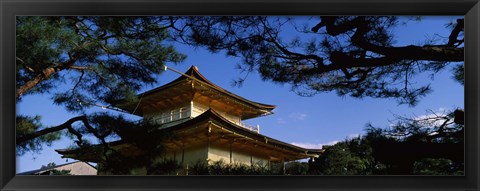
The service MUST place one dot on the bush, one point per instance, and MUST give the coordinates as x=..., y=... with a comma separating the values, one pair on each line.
x=171, y=167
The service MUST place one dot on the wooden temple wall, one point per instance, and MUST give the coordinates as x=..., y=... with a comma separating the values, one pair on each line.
x=212, y=153
x=199, y=108
x=173, y=116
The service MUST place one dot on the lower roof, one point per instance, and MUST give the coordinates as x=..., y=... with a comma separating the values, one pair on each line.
x=209, y=126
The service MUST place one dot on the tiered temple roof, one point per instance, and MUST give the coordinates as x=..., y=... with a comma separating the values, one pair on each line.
x=212, y=126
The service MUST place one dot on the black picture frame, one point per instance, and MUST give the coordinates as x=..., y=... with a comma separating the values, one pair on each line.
x=10, y=8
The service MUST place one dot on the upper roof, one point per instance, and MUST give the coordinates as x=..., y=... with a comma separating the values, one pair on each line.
x=192, y=75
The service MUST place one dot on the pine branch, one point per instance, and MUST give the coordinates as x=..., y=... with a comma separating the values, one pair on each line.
x=68, y=124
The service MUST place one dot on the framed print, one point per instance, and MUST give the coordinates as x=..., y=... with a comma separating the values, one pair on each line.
x=239, y=95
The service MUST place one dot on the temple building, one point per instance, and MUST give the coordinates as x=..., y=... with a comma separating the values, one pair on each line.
x=208, y=123
x=73, y=168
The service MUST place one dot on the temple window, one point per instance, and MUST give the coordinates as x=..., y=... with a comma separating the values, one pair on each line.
x=173, y=115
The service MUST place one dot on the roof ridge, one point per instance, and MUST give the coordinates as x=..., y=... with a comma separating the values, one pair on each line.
x=193, y=74
x=52, y=167
x=194, y=69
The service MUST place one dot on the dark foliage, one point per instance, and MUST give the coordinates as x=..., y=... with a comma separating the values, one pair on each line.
x=429, y=145
x=351, y=55
x=143, y=135
x=222, y=168
x=95, y=61
x=27, y=125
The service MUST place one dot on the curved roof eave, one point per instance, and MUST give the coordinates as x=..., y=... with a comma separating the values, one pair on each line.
x=194, y=73
x=213, y=115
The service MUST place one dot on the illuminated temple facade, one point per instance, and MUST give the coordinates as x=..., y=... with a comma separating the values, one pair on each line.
x=207, y=121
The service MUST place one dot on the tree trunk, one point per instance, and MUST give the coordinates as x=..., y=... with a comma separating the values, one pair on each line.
x=45, y=74
x=35, y=81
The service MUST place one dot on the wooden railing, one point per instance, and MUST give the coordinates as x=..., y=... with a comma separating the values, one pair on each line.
x=251, y=127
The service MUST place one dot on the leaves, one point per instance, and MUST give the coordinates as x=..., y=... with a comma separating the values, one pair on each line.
x=94, y=61
x=426, y=145
x=349, y=157
x=26, y=125
x=349, y=55
x=114, y=55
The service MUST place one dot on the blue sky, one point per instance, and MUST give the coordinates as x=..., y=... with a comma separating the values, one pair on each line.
x=305, y=121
